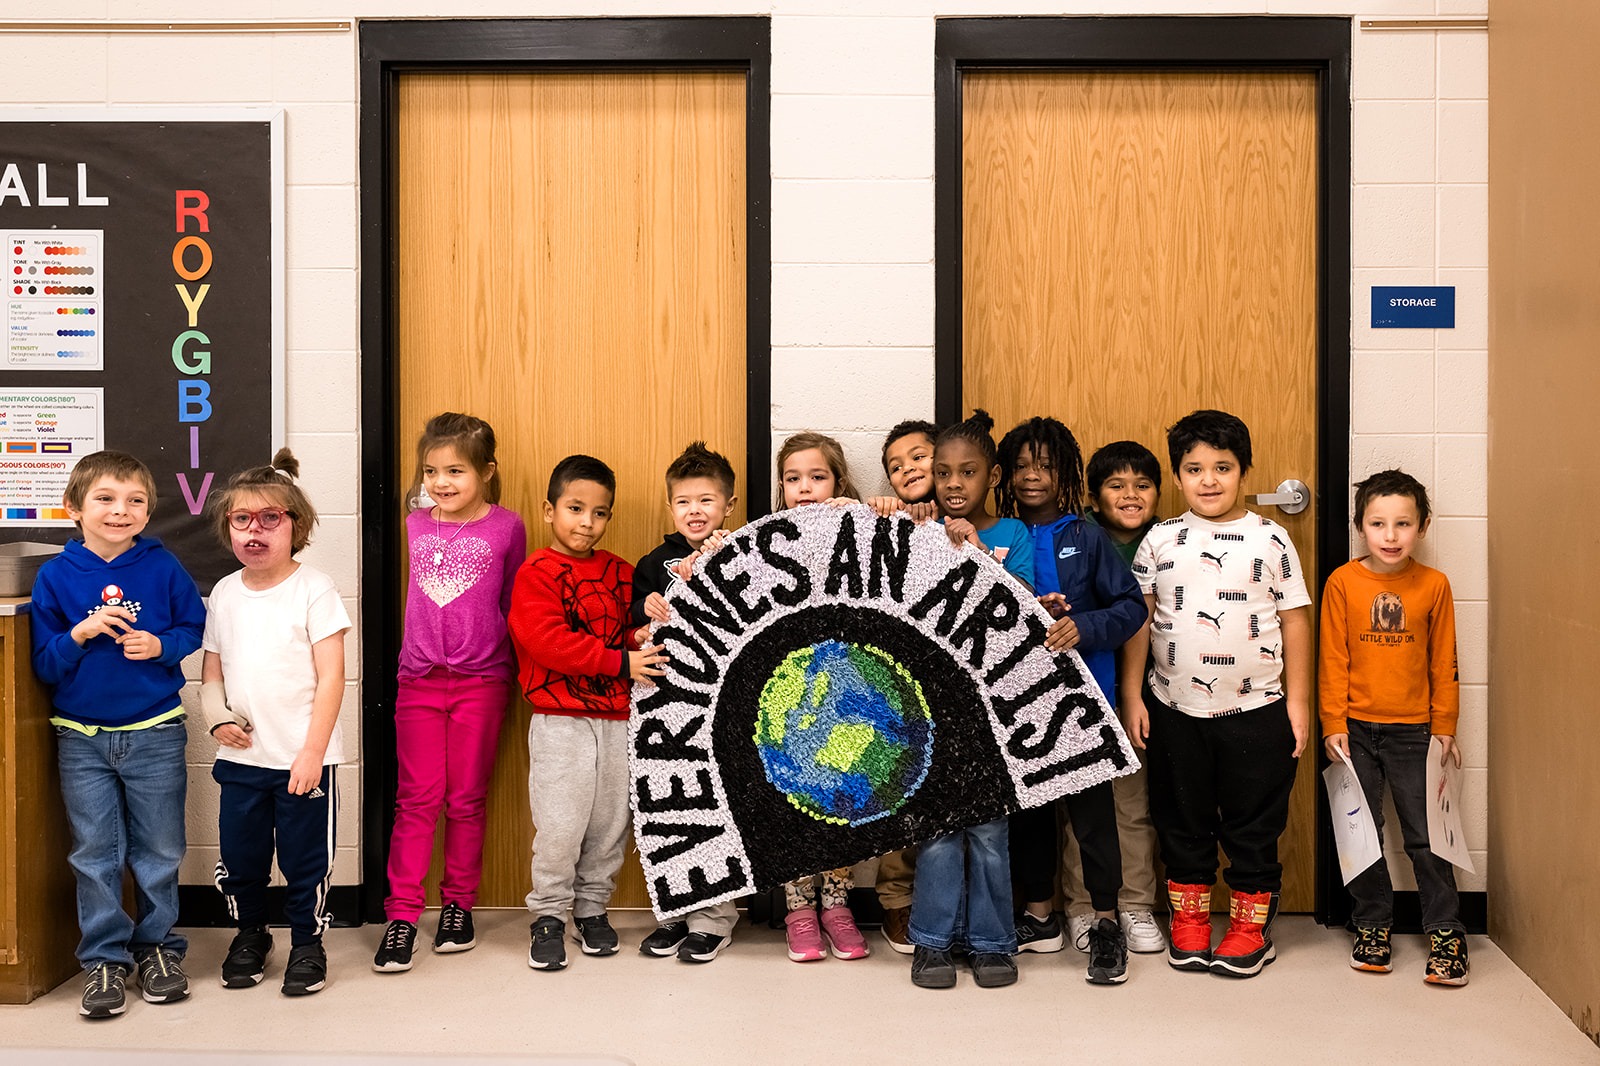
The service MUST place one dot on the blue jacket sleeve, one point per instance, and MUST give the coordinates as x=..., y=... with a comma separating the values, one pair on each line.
x=1118, y=608
x=55, y=654
x=188, y=617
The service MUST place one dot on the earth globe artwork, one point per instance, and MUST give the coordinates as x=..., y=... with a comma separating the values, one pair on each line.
x=844, y=732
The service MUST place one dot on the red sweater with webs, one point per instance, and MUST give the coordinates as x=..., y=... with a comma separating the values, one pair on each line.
x=569, y=625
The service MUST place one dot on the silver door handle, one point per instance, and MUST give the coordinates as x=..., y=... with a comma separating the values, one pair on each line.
x=1292, y=497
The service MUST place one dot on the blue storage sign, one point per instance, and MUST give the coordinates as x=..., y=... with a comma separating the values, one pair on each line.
x=1413, y=307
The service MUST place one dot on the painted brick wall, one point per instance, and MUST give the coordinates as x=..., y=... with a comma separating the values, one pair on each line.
x=852, y=243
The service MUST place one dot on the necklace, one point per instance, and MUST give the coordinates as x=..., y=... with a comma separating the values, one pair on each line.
x=438, y=553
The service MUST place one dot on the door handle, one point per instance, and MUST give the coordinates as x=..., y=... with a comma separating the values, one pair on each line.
x=1292, y=497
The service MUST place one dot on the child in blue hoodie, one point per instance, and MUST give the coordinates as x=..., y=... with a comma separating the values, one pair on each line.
x=1082, y=582
x=114, y=615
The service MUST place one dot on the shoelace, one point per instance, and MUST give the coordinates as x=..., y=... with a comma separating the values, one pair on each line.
x=453, y=919
x=395, y=935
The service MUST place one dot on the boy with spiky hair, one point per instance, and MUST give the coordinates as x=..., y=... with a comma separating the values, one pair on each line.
x=1225, y=709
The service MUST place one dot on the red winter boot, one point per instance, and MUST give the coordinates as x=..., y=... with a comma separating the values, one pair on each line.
x=1190, y=947
x=1247, y=945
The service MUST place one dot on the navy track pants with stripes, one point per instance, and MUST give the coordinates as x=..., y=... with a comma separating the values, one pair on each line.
x=256, y=811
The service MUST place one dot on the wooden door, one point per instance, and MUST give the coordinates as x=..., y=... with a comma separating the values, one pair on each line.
x=1139, y=244
x=571, y=268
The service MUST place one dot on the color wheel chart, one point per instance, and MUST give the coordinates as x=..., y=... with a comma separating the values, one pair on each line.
x=55, y=289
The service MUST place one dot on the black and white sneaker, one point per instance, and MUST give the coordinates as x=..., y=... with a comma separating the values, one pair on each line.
x=161, y=976
x=1040, y=934
x=701, y=947
x=547, y=952
x=399, y=942
x=455, y=930
x=306, y=971
x=665, y=940
x=595, y=935
x=1108, y=953
x=104, y=994
x=247, y=958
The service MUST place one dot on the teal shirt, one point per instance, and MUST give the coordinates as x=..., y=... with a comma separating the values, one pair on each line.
x=1012, y=535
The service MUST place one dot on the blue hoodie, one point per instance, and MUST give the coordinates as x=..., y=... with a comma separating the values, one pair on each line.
x=1079, y=561
x=95, y=685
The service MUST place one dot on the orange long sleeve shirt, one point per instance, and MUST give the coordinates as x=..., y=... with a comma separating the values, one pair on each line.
x=1388, y=649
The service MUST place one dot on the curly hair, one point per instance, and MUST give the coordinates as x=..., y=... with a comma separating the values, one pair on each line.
x=1043, y=437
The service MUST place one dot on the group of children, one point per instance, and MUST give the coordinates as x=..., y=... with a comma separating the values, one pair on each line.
x=1197, y=629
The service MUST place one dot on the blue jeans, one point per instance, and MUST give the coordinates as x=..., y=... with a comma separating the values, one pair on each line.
x=124, y=794
x=1398, y=753
x=964, y=891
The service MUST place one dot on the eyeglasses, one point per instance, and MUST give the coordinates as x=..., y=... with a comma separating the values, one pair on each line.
x=268, y=517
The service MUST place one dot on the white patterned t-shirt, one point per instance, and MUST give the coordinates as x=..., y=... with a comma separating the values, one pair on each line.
x=1216, y=646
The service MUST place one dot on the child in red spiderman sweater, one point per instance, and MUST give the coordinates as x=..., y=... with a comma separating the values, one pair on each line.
x=569, y=625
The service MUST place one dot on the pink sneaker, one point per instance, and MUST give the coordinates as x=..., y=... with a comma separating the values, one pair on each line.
x=803, y=935
x=845, y=938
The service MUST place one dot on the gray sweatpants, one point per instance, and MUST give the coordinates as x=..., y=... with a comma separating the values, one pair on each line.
x=578, y=794
x=717, y=919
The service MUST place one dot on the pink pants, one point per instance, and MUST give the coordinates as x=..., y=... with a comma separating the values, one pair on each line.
x=447, y=728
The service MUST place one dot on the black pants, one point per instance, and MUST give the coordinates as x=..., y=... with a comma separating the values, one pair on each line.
x=1035, y=851
x=1221, y=780
x=257, y=812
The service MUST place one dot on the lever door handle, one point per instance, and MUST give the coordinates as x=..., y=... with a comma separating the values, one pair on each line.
x=1292, y=497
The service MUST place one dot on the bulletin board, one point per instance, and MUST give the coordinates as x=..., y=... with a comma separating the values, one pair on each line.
x=143, y=309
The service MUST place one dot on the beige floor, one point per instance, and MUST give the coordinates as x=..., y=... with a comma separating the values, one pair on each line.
x=753, y=1006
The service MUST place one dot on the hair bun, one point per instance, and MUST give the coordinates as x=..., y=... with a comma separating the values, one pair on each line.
x=285, y=463
x=981, y=419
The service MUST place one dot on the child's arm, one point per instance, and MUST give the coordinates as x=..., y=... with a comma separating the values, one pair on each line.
x=327, y=655
x=1333, y=670
x=182, y=637
x=1296, y=624
x=1130, y=682
x=516, y=553
x=540, y=631
x=1444, y=703
x=228, y=730
x=1116, y=609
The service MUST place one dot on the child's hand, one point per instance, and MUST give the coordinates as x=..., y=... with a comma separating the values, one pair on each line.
x=962, y=532
x=840, y=501
x=685, y=567
x=1447, y=748
x=641, y=635
x=1336, y=745
x=1300, y=722
x=885, y=505
x=656, y=608
x=108, y=621
x=305, y=773
x=1062, y=634
x=923, y=512
x=1055, y=603
x=643, y=663
x=232, y=736
x=140, y=644
x=1136, y=722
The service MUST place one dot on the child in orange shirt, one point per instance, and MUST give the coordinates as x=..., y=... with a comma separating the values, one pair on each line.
x=1388, y=686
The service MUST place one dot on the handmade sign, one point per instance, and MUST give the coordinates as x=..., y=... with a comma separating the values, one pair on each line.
x=842, y=685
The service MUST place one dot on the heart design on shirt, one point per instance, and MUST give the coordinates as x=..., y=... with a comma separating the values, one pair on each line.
x=461, y=563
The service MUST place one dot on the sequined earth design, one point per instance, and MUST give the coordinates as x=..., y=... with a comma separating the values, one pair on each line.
x=844, y=732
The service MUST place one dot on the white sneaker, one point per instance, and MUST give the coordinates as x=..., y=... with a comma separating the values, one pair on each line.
x=1078, y=926
x=1142, y=932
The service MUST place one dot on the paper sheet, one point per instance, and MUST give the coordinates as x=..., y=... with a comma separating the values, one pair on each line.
x=1354, y=832
x=1445, y=838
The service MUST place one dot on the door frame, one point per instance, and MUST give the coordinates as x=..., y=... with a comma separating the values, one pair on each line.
x=390, y=49
x=1319, y=45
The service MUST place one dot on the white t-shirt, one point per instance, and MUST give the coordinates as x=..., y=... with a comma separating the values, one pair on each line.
x=1216, y=646
x=265, y=641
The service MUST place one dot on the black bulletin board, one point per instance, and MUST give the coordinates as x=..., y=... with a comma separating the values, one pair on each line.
x=190, y=199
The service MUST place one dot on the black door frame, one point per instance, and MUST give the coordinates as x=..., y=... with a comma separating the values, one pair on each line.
x=1319, y=45
x=390, y=49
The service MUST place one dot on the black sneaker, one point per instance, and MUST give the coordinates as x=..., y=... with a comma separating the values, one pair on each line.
x=1371, y=950
x=595, y=935
x=932, y=968
x=990, y=969
x=1040, y=934
x=1108, y=953
x=701, y=947
x=247, y=958
x=399, y=942
x=306, y=971
x=161, y=976
x=455, y=930
x=665, y=940
x=547, y=952
x=1447, y=958
x=103, y=991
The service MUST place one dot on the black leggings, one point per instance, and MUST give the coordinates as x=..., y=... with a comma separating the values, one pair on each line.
x=1035, y=852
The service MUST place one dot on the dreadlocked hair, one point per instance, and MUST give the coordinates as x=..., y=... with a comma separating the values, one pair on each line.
x=1050, y=438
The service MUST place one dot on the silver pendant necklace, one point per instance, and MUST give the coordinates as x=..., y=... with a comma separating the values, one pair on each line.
x=438, y=553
